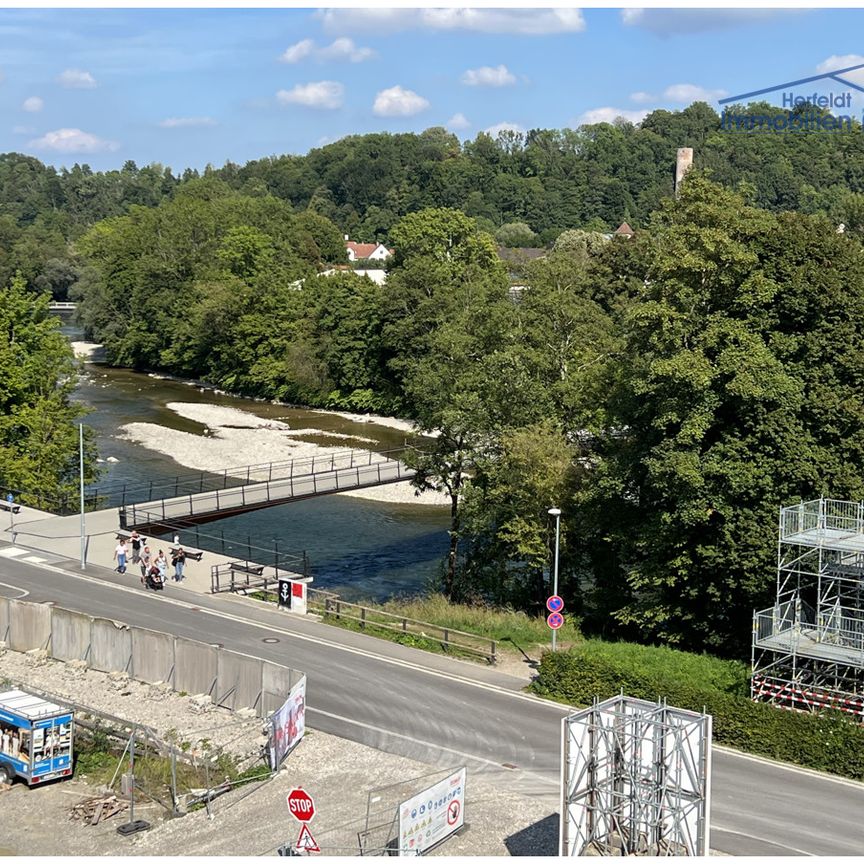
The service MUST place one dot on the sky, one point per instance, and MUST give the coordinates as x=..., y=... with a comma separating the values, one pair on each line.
x=188, y=87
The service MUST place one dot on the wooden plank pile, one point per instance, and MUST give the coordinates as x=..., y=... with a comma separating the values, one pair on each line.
x=94, y=810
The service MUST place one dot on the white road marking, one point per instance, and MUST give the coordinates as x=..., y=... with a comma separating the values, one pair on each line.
x=761, y=840
x=34, y=560
x=426, y=744
x=16, y=588
x=11, y=551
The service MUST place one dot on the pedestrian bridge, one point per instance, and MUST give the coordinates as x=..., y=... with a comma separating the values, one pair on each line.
x=203, y=498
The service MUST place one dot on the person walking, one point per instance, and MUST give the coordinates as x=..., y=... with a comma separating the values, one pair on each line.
x=146, y=558
x=120, y=556
x=137, y=541
x=162, y=566
x=178, y=560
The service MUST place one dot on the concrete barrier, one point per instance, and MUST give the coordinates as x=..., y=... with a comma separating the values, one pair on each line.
x=195, y=666
x=152, y=656
x=110, y=646
x=29, y=625
x=70, y=635
x=276, y=684
x=4, y=619
x=239, y=680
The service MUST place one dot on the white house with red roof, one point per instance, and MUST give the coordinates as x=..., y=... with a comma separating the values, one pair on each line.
x=366, y=251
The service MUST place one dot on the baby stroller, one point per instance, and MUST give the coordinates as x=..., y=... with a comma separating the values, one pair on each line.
x=154, y=579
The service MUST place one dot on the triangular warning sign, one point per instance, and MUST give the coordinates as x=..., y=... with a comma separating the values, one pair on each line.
x=306, y=841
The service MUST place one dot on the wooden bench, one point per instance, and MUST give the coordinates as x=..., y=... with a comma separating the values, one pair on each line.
x=191, y=552
x=10, y=508
x=240, y=567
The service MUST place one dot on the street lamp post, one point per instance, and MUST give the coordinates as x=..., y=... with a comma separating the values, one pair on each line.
x=556, y=512
x=81, y=490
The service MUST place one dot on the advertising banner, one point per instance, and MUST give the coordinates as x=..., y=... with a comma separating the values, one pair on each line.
x=288, y=724
x=433, y=815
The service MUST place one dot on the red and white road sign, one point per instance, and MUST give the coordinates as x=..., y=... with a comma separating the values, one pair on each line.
x=555, y=620
x=453, y=812
x=554, y=603
x=301, y=805
x=306, y=841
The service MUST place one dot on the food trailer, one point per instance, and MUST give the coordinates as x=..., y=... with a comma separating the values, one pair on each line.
x=35, y=738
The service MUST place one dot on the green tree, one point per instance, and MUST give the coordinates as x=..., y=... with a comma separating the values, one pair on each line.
x=735, y=376
x=38, y=434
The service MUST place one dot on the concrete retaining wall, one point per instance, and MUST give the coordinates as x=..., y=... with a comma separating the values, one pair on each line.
x=29, y=625
x=233, y=680
x=152, y=656
x=239, y=681
x=277, y=682
x=4, y=619
x=110, y=646
x=70, y=635
x=195, y=666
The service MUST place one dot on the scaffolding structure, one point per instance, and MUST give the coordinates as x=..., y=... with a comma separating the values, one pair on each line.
x=636, y=779
x=808, y=648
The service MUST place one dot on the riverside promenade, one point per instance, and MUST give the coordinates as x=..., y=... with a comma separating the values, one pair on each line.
x=37, y=531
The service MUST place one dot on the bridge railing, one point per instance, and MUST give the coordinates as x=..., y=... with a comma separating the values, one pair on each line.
x=259, y=494
x=196, y=483
x=330, y=605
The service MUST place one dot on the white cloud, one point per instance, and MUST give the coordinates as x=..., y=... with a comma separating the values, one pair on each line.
x=33, y=104
x=691, y=93
x=521, y=22
x=72, y=141
x=297, y=52
x=180, y=122
x=504, y=126
x=339, y=49
x=315, y=94
x=399, y=102
x=843, y=61
x=668, y=22
x=458, y=121
x=641, y=97
x=23, y=130
x=610, y=115
x=345, y=49
x=489, y=76
x=76, y=79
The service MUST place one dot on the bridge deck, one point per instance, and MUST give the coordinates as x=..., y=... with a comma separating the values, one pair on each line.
x=207, y=506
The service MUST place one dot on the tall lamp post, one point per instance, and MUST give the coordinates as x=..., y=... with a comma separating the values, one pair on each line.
x=556, y=512
x=81, y=490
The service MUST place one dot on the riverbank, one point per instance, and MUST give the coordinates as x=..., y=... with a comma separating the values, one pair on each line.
x=233, y=438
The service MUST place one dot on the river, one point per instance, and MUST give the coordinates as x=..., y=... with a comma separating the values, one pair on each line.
x=359, y=548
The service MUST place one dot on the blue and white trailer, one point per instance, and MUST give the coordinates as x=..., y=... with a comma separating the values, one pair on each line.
x=35, y=738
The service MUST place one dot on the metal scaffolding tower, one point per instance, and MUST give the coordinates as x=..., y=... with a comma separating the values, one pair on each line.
x=635, y=780
x=808, y=648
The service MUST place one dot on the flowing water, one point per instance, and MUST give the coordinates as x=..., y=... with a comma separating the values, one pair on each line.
x=362, y=549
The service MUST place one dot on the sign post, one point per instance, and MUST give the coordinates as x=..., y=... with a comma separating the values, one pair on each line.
x=10, y=500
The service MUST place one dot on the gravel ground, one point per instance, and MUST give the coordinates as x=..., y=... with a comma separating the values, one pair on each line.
x=338, y=773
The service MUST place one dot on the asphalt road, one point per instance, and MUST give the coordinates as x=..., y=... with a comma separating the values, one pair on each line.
x=447, y=713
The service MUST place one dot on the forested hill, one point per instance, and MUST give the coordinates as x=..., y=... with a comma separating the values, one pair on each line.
x=595, y=177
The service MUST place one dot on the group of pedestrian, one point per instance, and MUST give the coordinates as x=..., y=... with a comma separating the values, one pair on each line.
x=154, y=571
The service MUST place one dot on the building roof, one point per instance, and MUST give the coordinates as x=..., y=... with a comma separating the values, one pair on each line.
x=624, y=230
x=520, y=253
x=361, y=250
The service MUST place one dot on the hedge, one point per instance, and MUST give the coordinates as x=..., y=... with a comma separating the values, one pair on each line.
x=827, y=742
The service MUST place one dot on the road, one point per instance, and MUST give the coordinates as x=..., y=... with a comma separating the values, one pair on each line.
x=444, y=712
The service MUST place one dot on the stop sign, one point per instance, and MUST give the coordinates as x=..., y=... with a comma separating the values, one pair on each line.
x=301, y=805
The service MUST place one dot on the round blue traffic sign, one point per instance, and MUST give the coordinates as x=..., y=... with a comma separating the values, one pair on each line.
x=554, y=603
x=10, y=497
x=555, y=620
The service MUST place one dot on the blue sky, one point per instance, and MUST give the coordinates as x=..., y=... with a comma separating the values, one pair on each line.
x=185, y=87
